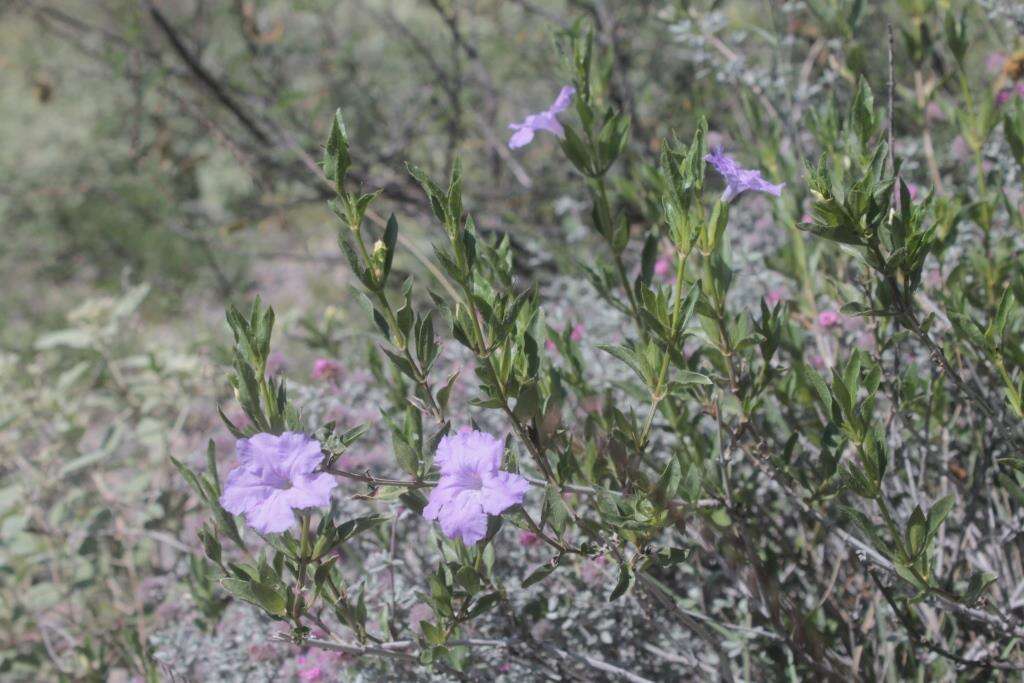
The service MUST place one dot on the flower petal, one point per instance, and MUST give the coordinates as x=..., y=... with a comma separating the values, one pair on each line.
x=501, y=491
x=469, y=450
x=548, y=122
x=443, y=494
x=243, y=490
x=563, y=100
x=310, y=491
x=298, y=454
x=273, y=516
x=468, y=522
x=520, y=138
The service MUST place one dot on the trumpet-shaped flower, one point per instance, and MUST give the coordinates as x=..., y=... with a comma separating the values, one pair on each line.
x=275, y=475
x=544, y=120
x=737, y=178
x=471, y=486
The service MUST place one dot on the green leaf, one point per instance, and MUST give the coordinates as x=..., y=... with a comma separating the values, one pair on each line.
x=938, y=513
x=258, y=594
x=540, y=573
x=554, y=511
x=627, y=578
x=916, y=534
x=434, y=635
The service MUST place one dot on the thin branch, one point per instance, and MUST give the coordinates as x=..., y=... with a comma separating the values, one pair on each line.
x=374, y=480
x=204, y=76
x=400, y=649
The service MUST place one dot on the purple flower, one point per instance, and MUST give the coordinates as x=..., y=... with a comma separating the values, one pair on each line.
x=276, y=474
x=737, y=178
x=544, y=120
x=1007, y=94
x=471, y=486
x=663, y=268
x=325, y=368
x=828, y=319
x=528, y=538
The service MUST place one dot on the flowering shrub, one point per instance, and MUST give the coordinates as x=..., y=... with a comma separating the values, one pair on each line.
x=708, y=369
x=838, y=488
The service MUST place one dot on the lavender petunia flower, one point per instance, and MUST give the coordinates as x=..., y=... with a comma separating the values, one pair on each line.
x=276, y=474
x=471, y=486
x=737, y=178
x=544, y=120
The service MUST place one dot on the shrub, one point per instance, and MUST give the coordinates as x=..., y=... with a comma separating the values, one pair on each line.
x=818, y=484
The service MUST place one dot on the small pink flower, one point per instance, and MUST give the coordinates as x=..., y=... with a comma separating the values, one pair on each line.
x=550, y=346
x=577, y=333
x=663, y=268
x=828, y=318
x=914, y=191
x=807, y=218
x=312, y=674
x=505, y=667
x=528, y=538
x=817, y=362
x=325, y=368
x=774, y=296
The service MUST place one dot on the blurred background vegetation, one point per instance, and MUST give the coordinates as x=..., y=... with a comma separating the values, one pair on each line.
x=159, y=160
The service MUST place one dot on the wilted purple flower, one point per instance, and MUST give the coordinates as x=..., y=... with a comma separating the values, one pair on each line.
x=325, y=368
x=737, y=178
x=544, y=120
x=276, y=474
x=471, y=486
x=528, y=538
x=1006, y=94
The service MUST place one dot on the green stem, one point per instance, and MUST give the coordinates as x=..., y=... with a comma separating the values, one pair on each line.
x=659, y=389
x=620, y=266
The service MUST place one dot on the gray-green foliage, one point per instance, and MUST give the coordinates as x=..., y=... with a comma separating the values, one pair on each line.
x=88, y=515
